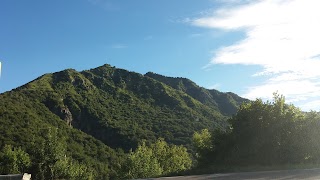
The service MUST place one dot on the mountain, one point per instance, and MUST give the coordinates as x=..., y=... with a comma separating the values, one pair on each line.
x=226, y=103
x=106, y=108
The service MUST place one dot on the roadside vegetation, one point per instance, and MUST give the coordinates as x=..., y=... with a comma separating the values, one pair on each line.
x=261, y=136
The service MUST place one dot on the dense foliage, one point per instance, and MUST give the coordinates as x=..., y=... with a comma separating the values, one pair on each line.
x=14, y=161
x=265, y=134
x=69, y=122
x=156, y=160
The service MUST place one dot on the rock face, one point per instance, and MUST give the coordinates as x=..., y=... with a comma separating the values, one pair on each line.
x=66, y=115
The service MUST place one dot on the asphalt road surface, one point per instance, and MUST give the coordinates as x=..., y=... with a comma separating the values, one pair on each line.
x=261, y=175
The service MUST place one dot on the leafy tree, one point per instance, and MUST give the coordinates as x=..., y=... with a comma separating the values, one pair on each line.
x=155, y=160
x=142, y=163
x=172, y=159
x=14, y=160
x=202, y=141
x=49, y=153
x=264, y=133
x=69, y=169
x=51, y=161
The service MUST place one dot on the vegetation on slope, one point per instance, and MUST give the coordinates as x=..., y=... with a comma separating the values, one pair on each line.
x=94, y=118
x=226, y=103
x=25, y=123
x=107, y=102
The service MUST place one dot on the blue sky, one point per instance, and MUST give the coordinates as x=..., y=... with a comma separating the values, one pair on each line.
x=229, y=45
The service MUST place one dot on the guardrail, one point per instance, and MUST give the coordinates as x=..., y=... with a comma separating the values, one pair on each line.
x=24, y=176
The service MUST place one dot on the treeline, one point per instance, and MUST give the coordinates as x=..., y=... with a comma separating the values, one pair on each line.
x=262, y=134
x=50, y=161
x=47, y=160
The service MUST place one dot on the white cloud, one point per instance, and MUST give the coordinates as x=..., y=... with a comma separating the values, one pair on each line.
x=195, y=35
x=311, y=105
x=282, y=36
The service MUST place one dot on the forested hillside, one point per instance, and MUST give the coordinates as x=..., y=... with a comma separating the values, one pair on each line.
x=72, y=120
x=226, y=103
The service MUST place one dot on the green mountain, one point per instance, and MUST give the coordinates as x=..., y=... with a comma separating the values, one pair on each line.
x=99, y=110
x=225, y=103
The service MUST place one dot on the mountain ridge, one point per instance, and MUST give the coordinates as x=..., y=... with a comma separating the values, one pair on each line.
x=207, y=96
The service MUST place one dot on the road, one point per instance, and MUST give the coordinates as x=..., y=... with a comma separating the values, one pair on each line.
x=261, y=175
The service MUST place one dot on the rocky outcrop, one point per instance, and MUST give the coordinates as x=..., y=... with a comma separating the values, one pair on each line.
x=66, y=115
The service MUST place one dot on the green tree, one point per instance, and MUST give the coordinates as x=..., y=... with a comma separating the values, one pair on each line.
x=264, y=133
x=70, y=169
x=142, y=163
x=14, y=160
x=155, y=160
x=203, y=144
x=51, y=161
x=48, y=152
x=171, y=158
x=202, y=141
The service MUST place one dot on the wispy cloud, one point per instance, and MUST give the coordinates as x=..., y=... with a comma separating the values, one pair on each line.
x=195, y=35
x=215, y=86
x=282, y=36
x=119, y=46
x=149, y=37
x=105, y=4
x=310, y=105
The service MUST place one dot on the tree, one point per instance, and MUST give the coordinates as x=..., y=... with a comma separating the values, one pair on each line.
x=203, y=144
x=48, y=153
x=202, y=141
x=51, y=161
x=172, y=159
x=70, y=169
x=14, y=160
x=265, y=133
x=155, y=160
x=142, y=164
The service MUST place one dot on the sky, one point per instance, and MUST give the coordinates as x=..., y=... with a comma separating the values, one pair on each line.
x=250, y=47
